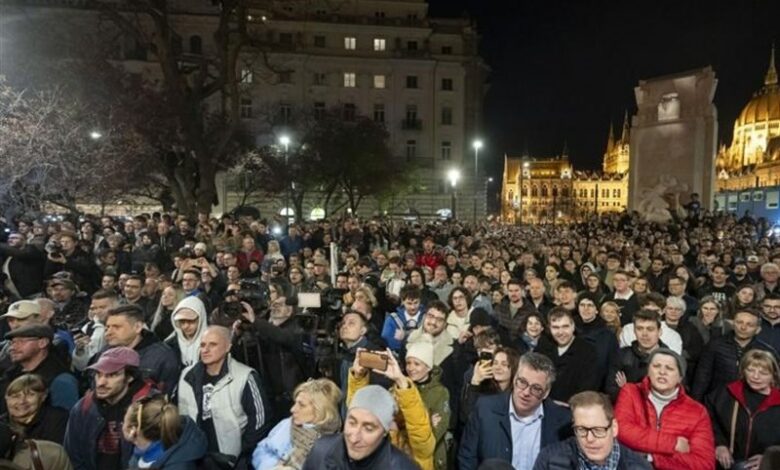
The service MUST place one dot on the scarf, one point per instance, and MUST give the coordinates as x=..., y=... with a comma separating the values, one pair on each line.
x=611, y=463
x=303, y=439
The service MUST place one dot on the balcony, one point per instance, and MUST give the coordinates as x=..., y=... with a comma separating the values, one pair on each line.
x=411, y=125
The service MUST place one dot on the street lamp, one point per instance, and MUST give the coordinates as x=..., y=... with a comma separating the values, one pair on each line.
x=285, y=141
x=488, y=180
x=477, y=145
x=453, y=175
x=95, y=135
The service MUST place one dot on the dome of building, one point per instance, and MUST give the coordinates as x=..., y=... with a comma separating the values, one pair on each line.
x=765, y=105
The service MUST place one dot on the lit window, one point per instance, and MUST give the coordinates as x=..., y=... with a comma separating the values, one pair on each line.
x=379, y=81
x=350, y=43
x=349, y=80
x=379, y=44
x=246, y=75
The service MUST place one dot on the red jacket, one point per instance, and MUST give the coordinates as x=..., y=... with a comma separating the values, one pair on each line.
x=431, y=259
x=243, y=259
x=683, y=417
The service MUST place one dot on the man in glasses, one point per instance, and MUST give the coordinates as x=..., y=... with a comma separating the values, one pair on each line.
x=594, y=444
x=516, y=426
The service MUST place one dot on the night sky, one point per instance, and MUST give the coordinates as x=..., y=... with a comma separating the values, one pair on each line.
x=563, y=69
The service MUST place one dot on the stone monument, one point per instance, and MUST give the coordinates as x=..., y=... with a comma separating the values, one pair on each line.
x=673, y=143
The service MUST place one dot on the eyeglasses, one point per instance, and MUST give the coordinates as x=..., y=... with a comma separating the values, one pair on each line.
x=535, y=389
x=599, y=432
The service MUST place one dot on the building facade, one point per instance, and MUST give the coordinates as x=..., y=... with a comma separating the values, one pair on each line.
x=753, y=158
x=419, y=77
x=550, y=190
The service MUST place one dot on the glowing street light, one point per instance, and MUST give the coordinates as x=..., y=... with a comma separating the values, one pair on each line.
x=477, y=146
x=453, y=175
x=95, y=135
x=284, y=139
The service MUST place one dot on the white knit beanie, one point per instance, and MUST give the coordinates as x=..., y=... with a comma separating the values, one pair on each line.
x=422, y=350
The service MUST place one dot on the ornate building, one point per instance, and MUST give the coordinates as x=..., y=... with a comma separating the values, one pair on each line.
x=753, y=158
x=549, y=190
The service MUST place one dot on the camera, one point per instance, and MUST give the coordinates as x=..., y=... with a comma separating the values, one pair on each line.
x=53, y=247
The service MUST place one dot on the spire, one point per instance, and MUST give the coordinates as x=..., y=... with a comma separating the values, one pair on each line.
x=565, y=154
x=611, y=138
x=771, y=74
x=624, y=138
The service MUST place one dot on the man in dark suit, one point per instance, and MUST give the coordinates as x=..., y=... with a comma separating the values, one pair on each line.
x=527, y=421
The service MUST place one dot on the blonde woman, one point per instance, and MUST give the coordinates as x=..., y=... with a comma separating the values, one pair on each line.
x=610, y=313
x=161, y=325
x=315, y=413
x=162, y=438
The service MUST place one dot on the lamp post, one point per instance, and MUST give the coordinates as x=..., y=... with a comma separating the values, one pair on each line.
x=453, y=175
x=285, y=141
x=477, y=145
x=522, y=175
x=488, y=180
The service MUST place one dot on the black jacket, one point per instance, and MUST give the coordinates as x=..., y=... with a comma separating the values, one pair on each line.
x=575, y=370
x=633, y=363
x=83, y=271
x=606, y=343
x=48, y=425
x=719, y=364
x=563, y=456
x=627, y=307
x=26, y=267
x=693, y=346
x=330, y=453
x=755, y=430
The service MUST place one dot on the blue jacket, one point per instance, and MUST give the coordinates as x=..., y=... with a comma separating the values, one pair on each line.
x=85, y=424
x=488, y=434
x=563, y=456
x=273, y=448
x=390, y=325
x=186, y=453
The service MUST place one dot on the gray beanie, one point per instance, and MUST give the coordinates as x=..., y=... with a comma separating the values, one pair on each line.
x=681, y=364
x=377, y=401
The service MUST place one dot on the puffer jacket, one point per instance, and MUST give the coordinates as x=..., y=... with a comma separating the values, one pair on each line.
x=436, y=398
x=416, y=439
x=755, y=431
x=642, y=431
x=330, y=453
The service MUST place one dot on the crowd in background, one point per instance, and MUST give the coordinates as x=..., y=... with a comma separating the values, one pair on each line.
x=162, y=342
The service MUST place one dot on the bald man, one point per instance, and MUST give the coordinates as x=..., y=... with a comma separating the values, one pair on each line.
x=224, y=397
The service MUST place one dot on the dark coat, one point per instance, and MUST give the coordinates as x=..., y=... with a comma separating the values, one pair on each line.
x=483, y=439
x=563, y=456
x=719, y=364
x=576, y=370
x=627, y=307
x=633, y=363
x=84, y=271
x=186, y=453
x=606, y=343
x=85, y=424
x=48, y=425
x=25, y=267
x=755, y=431
x=330, y=453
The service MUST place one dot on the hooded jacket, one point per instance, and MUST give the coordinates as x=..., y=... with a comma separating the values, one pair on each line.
x=185, y=453
x=188, y=351
x=641, y=430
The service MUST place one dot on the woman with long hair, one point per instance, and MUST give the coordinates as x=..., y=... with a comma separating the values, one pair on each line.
x=161, y=325
x=314, y=414
x=28, y=413
x=709, y=320
x=610, y=312
x=162, y=438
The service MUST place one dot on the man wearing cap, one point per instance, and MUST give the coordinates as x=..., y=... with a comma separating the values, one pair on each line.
x=22, y=265
x=125, y=327
x=31, y=353
x=20, y=313
x=93, y=438
x=364, y=442
x=71, y=308
x=224, y=397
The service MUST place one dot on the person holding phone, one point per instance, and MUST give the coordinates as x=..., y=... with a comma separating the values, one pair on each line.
x=411, y=431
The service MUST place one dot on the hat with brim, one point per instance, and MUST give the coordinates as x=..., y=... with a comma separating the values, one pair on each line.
x=185, y=314
x=116, y=359
x=31, y=331
x=22, y=309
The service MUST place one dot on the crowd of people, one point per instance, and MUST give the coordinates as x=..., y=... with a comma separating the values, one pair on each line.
x=162, y=342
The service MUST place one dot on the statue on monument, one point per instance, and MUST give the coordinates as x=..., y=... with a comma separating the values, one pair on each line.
x=656, y=203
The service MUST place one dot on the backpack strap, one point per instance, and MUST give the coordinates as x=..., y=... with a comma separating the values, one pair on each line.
x=732, y=436
x=35, y=455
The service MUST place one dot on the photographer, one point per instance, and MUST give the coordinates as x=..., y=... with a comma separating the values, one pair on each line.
x=63, y=254
x=284, y=349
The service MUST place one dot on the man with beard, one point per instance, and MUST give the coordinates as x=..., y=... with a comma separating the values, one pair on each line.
x=93, y=438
